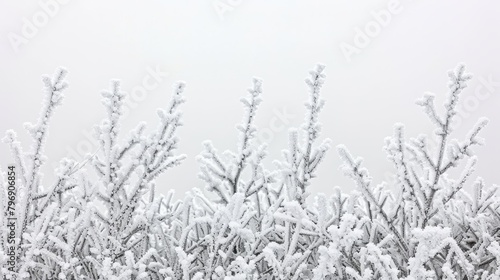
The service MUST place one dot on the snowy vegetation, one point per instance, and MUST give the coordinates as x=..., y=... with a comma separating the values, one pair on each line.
x=102, y=219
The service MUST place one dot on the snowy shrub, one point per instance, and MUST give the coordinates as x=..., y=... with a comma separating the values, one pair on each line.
x=102, y=219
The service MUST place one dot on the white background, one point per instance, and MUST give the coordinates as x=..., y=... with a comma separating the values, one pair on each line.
x=218, y=46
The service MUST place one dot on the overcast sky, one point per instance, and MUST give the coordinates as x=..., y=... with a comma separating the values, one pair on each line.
x=380, y=56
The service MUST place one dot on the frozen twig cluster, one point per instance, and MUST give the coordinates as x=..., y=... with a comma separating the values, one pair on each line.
x=253, y=222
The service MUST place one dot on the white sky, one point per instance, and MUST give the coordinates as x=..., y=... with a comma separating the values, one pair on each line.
x=218, y=52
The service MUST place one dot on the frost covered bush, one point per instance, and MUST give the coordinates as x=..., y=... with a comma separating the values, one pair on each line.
x=102, y=219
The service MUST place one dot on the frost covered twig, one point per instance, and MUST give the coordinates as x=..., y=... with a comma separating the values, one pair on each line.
x=255, y=223
x=301, y=160
x=224, y=177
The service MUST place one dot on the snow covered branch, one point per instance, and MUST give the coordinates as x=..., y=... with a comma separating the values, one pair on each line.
x=110, y=222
